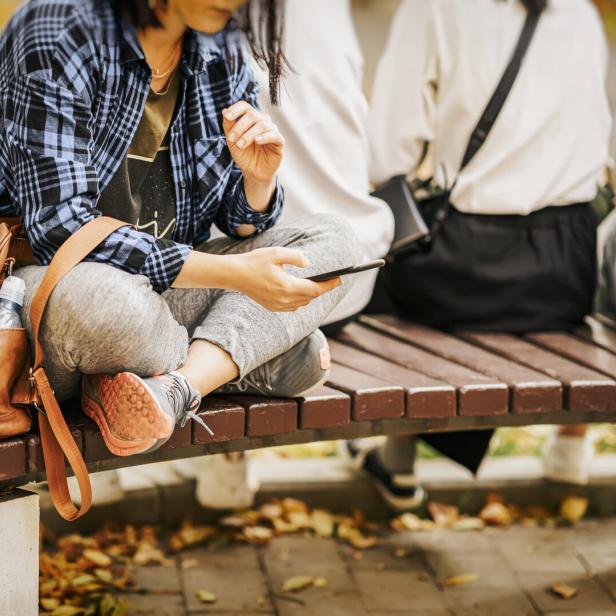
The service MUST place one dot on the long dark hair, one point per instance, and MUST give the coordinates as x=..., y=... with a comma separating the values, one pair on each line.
x=261, y=20
x=535, y=6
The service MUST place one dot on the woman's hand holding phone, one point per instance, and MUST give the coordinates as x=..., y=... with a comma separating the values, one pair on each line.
x=260, y=274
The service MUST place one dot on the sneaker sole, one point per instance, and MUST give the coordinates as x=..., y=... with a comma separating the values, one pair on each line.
x=129, y=409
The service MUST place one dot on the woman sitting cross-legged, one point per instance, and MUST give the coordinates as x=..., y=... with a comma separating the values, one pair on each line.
x=146, y=112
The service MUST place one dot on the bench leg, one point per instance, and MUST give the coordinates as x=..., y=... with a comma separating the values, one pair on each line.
x=19, y=553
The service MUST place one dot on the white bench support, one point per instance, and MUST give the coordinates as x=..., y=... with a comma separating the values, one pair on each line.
x=19, y=553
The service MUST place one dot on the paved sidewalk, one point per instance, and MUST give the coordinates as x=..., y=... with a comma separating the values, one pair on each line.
x=403, y=574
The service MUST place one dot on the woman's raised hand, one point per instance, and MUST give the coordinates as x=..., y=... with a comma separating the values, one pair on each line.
x=260, y=274
x=254, y=141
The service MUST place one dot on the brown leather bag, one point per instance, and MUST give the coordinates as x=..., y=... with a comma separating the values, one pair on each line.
x=23, y=383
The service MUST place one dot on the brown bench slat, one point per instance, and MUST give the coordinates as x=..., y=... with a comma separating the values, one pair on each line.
x=580, y=351
x=372, y=398
x=477, y=394
x=324, y=408
x=530, y=391
x=226, y=419
x=267, y=416
x=585, y=389
x=36, y=463
x=598, y=333
x=12, y=458
x=425, y=396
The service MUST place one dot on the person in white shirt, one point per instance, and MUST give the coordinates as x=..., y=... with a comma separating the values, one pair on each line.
x=517, y=251
x=323, y=116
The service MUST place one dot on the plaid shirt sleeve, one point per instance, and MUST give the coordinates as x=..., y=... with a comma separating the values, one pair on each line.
x=52, y=181
x=236, y=210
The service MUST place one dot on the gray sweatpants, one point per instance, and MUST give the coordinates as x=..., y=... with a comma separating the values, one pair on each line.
x=103, y=320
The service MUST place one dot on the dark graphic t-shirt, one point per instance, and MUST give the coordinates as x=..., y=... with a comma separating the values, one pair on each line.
x=142, y=191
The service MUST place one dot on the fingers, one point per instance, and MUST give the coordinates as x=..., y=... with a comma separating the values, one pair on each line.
x=233, y=112
x=257, y=133
x=290, y=256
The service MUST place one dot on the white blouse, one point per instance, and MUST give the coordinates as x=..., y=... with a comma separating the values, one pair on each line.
x=442, y=63
x=323, y=115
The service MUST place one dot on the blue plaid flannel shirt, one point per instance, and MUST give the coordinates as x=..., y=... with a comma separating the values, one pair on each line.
x=73, y=85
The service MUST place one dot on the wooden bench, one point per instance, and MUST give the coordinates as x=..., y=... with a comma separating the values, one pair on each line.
x=388, y=377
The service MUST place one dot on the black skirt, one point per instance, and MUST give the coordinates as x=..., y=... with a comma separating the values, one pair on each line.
x=495, y=274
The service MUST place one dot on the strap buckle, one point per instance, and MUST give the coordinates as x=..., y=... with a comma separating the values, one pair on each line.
x=33, y=388
x=9, y=264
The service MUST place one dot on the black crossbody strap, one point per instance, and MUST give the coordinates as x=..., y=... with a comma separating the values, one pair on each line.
x=497, y=102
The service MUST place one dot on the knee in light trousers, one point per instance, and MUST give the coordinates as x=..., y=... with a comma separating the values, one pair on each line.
x=103, y=320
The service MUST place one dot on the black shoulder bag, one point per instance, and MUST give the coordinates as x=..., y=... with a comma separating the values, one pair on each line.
x=419, y=218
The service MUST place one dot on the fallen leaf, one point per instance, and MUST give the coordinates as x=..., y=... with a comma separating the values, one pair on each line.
x=189, y=563
x=293, y=504
x=80, y=580
x=67, y=610
x=409, y=521
x=258, y=534
x=261, y=602
x=360, y=541
x=442, y=514
x=300, y=519
x=319, y=582
x=271, y=511
x=283, y=527
x=50, y=605
x=322, y=522
x=457, y=580
x=496, y=514
x=206, y=597
x=147, y=554
x=97, y=557
x=573, y=508
x=401, y=553
x=564, y=591
x=297, y=583
x=189, y=536
x=104, y=575
x=468, y=524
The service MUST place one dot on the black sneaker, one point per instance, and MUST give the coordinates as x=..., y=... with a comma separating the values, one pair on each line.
x=290, y=375
x=400, y=491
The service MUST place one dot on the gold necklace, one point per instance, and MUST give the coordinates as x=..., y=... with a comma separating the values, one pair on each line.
x=157, y=74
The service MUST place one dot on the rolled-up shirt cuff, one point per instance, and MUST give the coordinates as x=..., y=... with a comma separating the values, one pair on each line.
x=164, y=263
x=243, y=214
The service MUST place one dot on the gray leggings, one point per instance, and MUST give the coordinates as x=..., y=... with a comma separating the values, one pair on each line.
x=103, y=320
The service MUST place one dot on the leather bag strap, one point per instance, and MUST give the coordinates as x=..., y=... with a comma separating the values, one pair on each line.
x=56, y=439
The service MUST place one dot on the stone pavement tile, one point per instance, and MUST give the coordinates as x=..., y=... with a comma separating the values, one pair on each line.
x=320, y=602
x=160, y=579
x=232, y=573
x=292, y=555
x=477, y=600
x=381, y=557
x=539, y=550
x=492, y=569
x=583, y=613
x=146, y=605
x=398, y=591
x=443, y=540
x=590, y=595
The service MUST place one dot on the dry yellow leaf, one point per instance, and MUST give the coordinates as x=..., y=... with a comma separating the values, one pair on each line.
x=319, y=582
x=573, y=508
x=67, y=610
x=300, y=519
x=443, y=514
x=104, y=575
x=401, y=553
x=189, y=563
x=359, y=541
x=80, y=580
x=293, y=504
x=322, y=522
x=409, y=521
x=147, y=554
x=271, y=511
x=189, y=536
x=206, y=597
x=49, y=605
x=468, y=524
x=564, y=591
x=496, y=514
x=97, y=557
x=457, y=580
x=258, y=534
x=282, y=527
x=297, y=583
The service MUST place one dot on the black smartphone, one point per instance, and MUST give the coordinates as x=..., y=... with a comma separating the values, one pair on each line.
x=354, y=269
